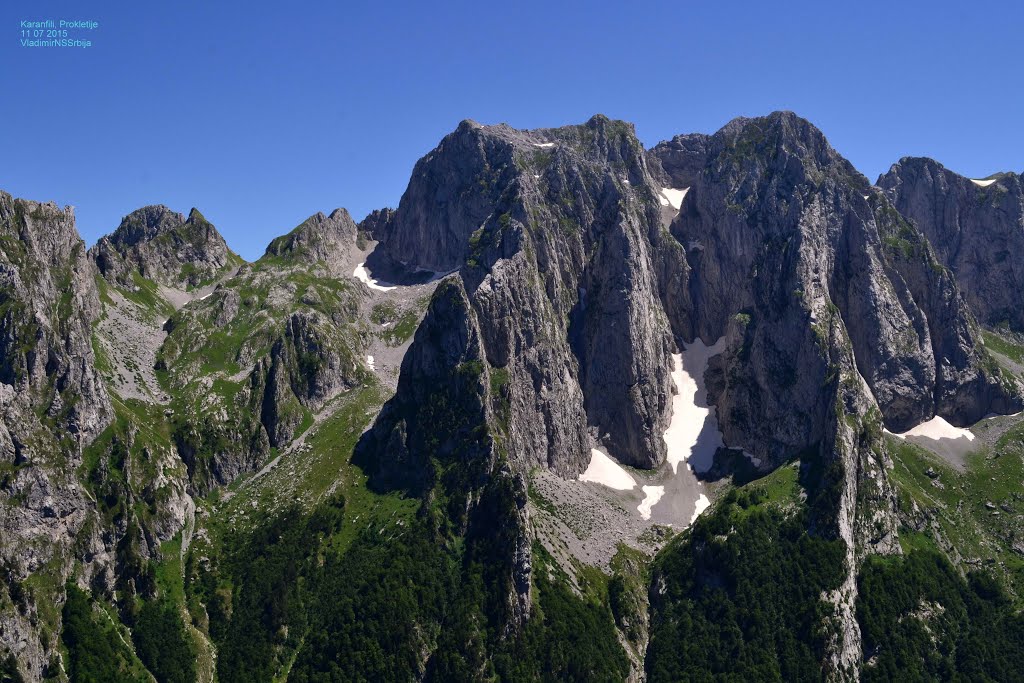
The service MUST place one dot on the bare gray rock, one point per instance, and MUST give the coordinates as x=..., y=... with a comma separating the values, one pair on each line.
x=977, y=231
x=165, y=247
x=578, y=284
x=557, y=232
x=52, y=404
x=320, y=239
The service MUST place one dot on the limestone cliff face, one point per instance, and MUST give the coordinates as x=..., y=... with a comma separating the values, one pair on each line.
x=838, y=319
x=451, y=193
x=442, y=405
x=579, y=278
x=52, y=405
x=581, y=289
x=165, y=247
x=558, y=240
x=976, y=230
x=782, y=232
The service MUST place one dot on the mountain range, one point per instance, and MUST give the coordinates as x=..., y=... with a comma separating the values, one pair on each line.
x=721, y=409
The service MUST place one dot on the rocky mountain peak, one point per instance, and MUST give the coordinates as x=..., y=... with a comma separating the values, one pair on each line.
x=52, y=405
x=781, y=142
x=164, y=246
x=456, y=187
x=48, y=303
x=145, y=224
x=319, y=239
x=976, y=227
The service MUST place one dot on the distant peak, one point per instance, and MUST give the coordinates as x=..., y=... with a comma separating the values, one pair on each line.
x=318, y=238
x=340, y=214
x=788, y=125
x=194, y=216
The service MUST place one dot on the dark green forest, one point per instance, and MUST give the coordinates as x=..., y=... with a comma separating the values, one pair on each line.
x=921, y=621
x=285, y=599
x=741, y=598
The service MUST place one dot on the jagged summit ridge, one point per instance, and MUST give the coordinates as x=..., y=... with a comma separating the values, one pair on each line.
x=164, y=246
x=318, y=239
x=976, y=228
x=456, y=186
x=837, y=317
x=775, y=223
x=582, y=263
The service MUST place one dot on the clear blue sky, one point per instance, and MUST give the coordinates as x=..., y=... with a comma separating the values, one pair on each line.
x=264, y=114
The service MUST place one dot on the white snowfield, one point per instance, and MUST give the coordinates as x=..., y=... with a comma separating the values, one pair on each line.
x=692, y=437
x=652, y=494
x=984, y=183
x=683, y=436
x=371, y=363
x=364, y=275
x=702, y=505
x=673, y=198
x=543, y=144
x=605, y=471
x=937, y=428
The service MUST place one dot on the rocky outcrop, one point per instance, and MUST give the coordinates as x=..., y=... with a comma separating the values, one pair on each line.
x=782, y=235
x=320, y=239
x=451, y=193
x=975, y=227
x=375, y=225
x=308, y=365
x=441, y=438
x=558, y=231
x=441, y=408
x=250, y=364
x=838, y=319
x=52, y=405
x=163, y=246
x=48, y=302
x=580, y=277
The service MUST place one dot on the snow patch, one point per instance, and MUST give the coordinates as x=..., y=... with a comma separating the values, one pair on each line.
x=371, y=363
x=937, y=428
x=205, y=296
x=543, y=144
x=673, y=198
x=984, y=183
x=702, y=505
x=693, y=435
x=364, y=275
x=652, y=494
x=605, y=471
